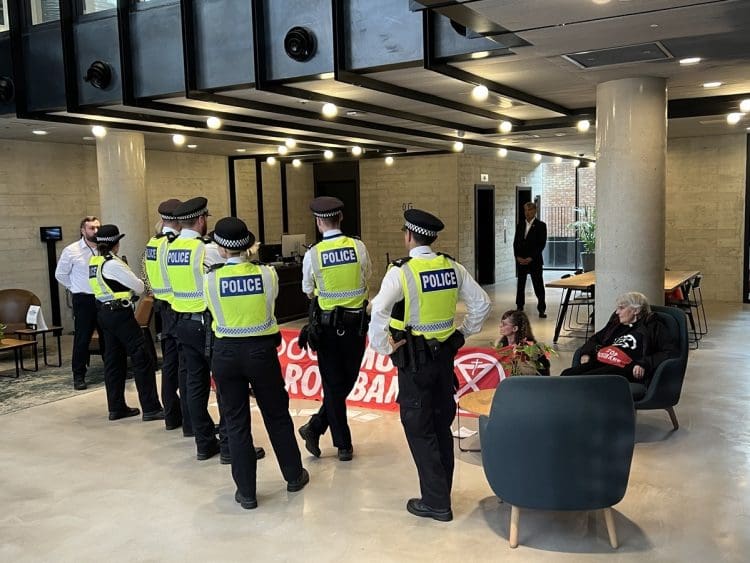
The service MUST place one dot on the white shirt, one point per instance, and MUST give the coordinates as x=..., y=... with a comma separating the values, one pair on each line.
x=73, y=267
x=119, y=271
x=528, y=227
x=308, y=281
x=391, y=292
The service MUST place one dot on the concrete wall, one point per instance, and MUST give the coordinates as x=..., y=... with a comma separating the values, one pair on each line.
x=705, y=211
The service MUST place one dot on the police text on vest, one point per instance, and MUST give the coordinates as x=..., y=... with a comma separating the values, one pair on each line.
x=338, y=256
x=241, y=285
x=438, y=280
x=178, y=257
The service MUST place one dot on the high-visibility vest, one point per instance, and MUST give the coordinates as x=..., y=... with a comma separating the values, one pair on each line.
x=430, y=297
x=156, y=266
x=241, y=300
x=102, y=291
x=337, y=270
x=185, y=274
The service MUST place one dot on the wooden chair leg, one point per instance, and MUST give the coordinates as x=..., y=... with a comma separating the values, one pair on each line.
x=673, y=417
x=611, y=531
x=515, y=514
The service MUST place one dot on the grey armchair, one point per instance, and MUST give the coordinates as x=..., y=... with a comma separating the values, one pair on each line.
x=559, y=443
x=663, y=392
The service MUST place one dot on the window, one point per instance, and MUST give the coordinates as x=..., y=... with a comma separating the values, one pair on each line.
x=43, y=11
x=4, y=16
x=91, y=6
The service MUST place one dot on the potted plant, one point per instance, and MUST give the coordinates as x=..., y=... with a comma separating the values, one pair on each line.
x=585, y=226
x=523, y=358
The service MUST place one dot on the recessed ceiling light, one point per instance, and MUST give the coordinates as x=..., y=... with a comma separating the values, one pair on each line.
x=240, y=150
x=502, y=152
x=296, y=163
x=690, y=61
x=537, y=157
x=734, y=118
x=654, y=25
x=505, y=127
x=178, y=139
x=282, y=149
x=458, y=146
x=480, y=93
x=98, y=131
x=560, y=134
x=192, y=146
x=271, y=160
x=290, y=143
x=480, y=55
x=213, y=123
x=356, y=151
x=712, y=84
x=326, y=76
x=39, y=132
x=352, y=113
x=328, y=154
x=389, y=160
x=745, y=106
x=600, y=1
x=89, y=138
x=329, y=110
x=583, y=125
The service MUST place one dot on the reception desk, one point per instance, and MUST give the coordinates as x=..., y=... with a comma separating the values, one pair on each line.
x=291, y=304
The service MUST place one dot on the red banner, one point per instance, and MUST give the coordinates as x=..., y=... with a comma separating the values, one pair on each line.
x=377, y=384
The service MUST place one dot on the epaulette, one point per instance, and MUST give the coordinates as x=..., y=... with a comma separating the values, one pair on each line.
x=214, y=267
x=448, y=256
x=206, y=240
x=401, y=261
x=160, y=235
x=170, y=236
x=256, y=262
x=108, y=256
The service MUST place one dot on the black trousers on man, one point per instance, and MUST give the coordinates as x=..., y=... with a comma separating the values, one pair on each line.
x=123, y=338
x=427, y=411
x=191, y=334
x=235, y=363
x=84, y=325
x=537, y=280
x=339, y=359
x=175, y=407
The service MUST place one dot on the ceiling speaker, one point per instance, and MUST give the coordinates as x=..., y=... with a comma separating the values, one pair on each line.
x=99, y=75
x=299, y=44
x=7, y=90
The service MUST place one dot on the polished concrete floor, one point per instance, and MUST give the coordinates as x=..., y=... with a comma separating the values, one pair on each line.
x=75, y=487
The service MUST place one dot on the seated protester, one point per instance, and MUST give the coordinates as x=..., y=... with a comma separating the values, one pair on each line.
x=632, y=344
x=515, y=328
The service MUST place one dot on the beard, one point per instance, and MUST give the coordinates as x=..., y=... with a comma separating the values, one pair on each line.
x=91, y=238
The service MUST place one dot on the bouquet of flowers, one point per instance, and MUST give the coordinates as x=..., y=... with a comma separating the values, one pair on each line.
x=523, y=358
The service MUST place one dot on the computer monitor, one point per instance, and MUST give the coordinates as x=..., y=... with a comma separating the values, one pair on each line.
x=269, y=253
x=293, y=245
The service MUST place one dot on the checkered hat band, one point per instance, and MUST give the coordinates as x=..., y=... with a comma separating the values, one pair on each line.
x=194, y=214
x=226, y=243
x=108, y=239
x=419, y=230
x=167, y=217
x=326, y=214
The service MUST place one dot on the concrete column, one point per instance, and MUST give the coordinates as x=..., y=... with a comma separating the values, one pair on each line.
x=631, y=153
x=121, y=164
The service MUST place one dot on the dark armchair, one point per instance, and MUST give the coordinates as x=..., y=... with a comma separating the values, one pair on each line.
x=559, y=443
x=666, y=384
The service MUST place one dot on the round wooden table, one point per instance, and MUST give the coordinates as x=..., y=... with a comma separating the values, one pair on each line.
x=478, y=402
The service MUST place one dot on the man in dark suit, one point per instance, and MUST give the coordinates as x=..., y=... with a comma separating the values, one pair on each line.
x=528, y=244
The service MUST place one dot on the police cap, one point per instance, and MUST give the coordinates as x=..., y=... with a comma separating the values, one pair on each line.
x=422, y=222
x=108, y=234
x=192, y=208
x=231, y=233
x=167, y=209
x=326, y=207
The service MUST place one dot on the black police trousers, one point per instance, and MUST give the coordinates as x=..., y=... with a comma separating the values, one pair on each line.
x=176, y=411
x=427, y=410
x=123, y=338
x=235, y=362
x=84, y=324
x=191, y=335
x=339, y=359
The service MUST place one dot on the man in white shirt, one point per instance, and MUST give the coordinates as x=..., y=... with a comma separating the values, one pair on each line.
x=413, y=319
x=73, y=273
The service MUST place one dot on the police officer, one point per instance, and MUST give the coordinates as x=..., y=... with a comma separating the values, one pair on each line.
x=176, y=411
x=418, y=299
x=334, y=274
x=114, y=284
x=241, y=297
x=185, y=268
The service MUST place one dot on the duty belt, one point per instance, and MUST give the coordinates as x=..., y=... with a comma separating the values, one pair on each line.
x=191, y=316
x=114, y=305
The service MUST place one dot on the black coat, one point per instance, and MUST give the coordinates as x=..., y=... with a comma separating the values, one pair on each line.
x=657, y=342
x=531, y=245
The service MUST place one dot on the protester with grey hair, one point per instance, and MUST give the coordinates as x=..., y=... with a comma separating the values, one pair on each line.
x=632, y=344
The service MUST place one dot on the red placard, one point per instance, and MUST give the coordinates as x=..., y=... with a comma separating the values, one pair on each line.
x=377, y=384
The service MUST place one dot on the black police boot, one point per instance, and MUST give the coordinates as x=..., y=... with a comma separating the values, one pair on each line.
x=311, y=438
